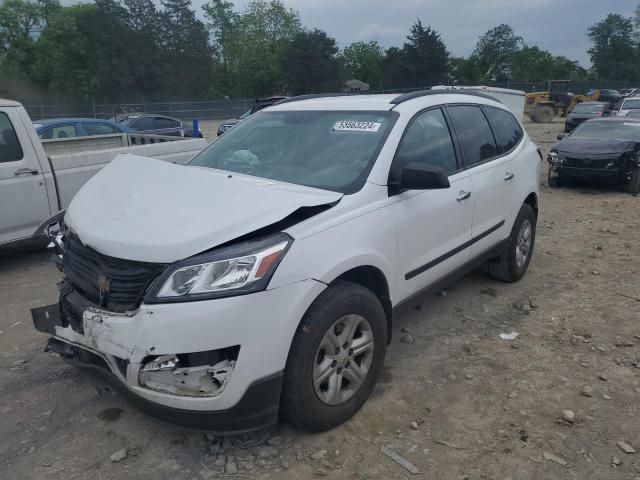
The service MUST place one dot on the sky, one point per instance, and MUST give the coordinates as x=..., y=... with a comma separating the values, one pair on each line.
x=559, y=26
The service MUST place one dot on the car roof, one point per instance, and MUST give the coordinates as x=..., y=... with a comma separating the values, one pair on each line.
x=615, y=119
x=380, y=102
x=143, y=115
x=8, y=103
x=53, y=121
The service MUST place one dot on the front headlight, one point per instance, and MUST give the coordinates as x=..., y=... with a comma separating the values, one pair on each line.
x=235, y=270
x=553, y=157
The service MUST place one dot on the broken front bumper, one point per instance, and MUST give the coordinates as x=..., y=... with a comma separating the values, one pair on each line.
x=127, y=346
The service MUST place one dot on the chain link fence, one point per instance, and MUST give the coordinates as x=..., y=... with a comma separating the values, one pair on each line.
x=230, y=108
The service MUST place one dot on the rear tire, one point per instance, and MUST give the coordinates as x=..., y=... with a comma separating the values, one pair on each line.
x=543, y=114
x=307, y=398
x=634, y=183
x=515, y=259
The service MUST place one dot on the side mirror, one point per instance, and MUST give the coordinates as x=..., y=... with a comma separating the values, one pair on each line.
x=416, y=176
x=561, y=136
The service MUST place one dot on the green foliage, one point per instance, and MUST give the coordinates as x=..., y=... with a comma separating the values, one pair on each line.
x=614, y=53
x=311, y=63
x=427, y=59
x=494, y=53
x=363, y=61
x=122, y=49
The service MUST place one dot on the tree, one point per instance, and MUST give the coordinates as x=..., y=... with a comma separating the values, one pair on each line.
x=494, y=53
x=310, y=63
x=613, y=53
x=464, y=70
x=427, y=57
x=394, y=67
x=261, y=35
x=363, y=61
x=188, y=59
x=222, y=24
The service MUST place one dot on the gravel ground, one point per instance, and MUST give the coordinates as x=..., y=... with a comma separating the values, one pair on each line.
x=457, y=403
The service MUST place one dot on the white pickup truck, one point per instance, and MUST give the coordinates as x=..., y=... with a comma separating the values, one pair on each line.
x=39, y=178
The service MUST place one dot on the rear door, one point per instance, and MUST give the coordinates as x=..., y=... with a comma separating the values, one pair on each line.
x=433, y=227
x=23, y=196
x=167, y=126
x=490, y=164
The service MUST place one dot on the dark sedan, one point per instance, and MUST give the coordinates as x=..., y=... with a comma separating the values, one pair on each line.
x=260, y=104
x=586, y=111
x=607, y=148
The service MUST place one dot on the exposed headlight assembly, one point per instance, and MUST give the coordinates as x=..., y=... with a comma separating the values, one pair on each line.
x=229, y=271
x=553, y=157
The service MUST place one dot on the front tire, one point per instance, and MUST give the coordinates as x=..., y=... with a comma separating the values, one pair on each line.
x=336, y=356
x=514, y=261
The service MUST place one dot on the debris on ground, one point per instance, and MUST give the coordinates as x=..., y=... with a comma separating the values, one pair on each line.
x=399, y=460
x=587, y=391
x=119, y=455
x=509, y=336
x=626, y=448
x=554, y=458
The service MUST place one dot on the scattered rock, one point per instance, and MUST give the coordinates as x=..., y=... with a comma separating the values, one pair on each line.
x=231, y=468
x=626, y=448
x=587, y=391
x=568, y=416
x=601, y=348
x=275, y=441
x=603, y=377
x=414, y=425
x=321, y=472
x=512, y=394
x=319, y=455
x=407, y=338
x=615, y=462
x=469, y=376
x=220, y=461
x=606, y=396
x=526, y=309
x=267, y=452
x=119, y=455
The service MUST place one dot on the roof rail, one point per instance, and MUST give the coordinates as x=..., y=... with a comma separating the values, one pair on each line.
x=312, y=96
x=425, y=93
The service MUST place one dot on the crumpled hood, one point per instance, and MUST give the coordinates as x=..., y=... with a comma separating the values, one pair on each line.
x=144, y=209
x=585, y=146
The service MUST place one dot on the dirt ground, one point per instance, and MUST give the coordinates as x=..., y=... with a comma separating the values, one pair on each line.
x=484, y=408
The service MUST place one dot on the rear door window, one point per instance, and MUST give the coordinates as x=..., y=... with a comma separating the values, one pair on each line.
x=10, y=150
x=473, y=133
x=165, y=123
x=99, y=129
x=506, y=128
x=67, y=130
x=143, y=124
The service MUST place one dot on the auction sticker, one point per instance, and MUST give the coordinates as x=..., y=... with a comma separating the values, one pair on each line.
x=354, y=126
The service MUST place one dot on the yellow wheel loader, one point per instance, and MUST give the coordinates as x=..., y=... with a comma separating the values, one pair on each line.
x=542, y=107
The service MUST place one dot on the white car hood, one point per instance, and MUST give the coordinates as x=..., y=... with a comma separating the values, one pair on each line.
x=143, y=209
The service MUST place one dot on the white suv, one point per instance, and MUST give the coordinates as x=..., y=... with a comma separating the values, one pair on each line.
x=261, y=277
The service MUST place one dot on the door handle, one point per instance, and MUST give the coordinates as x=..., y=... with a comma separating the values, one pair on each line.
x=26, y=171
x=508, y=176
x=463, y=195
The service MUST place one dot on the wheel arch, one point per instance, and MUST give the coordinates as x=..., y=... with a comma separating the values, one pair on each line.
x=372, y=278
x=532, y=201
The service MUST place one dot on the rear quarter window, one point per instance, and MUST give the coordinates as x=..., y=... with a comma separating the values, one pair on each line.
x=506, y=129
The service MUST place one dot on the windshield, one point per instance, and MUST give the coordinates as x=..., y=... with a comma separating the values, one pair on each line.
x=604, y=130
x=588, y=108
x=332, y=150
x=630, y=103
